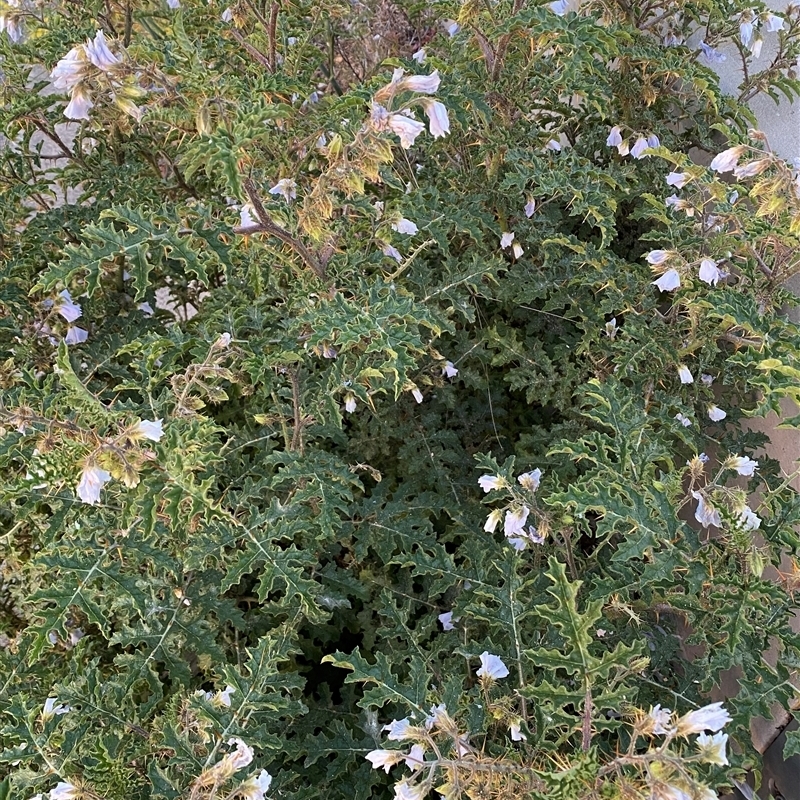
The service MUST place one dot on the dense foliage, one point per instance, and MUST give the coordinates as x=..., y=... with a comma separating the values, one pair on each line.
x=337, y=396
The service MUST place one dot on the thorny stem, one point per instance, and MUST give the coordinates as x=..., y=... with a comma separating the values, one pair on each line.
x=297, y=444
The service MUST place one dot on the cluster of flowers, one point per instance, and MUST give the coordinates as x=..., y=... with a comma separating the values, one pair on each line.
x=639, y=147
x=715, y=413
x=94, y=477
x=86, y=62
x=670, y=279
x=516, y=513
x=402, y=123
x=708, y=514
x=70, y=311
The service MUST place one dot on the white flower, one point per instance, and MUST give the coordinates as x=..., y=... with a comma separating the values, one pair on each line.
x=451, y=27
x=639, y=147
x=623, y=148
x=69, y=71
x=254, y=788
x=223, y=341
x=715, y=413
x=749, y=520
x=560, y=7
x=493, y=520
x=751, y=169
x=677, y=179
x=712, y=748
x=653, y=140
x=417, y=395
x=416, y=757
x=246, y=218
x=152, y=430
x=67, y=308
x=706, y=514
x=727, y=159
x=491, y=482
x=222, y=699
x=399, y=729
x=755, y=48
x=79, y=104
x=424, y=84
x=516, y=733
x=519, y=543
x=99, y=54
x=350, y=403
x=64, y=791
x=384, y=758
x=506, y=239
x=530, y=207
x=611, y=328
x=173, y=4
x=392, y=252
x=660, y=720
x=12, y=26
x=404, y=225
x=709, y=272
x=669, y=281
x=515, y=520
x=406, y=128
x=446, y=620
x=93, y=478
x=685, y=421
x=530, y=480
x=712, y=717
x=614, y=137
x=657, y=257
x=492, y=667
x=439, y=718
x=238, y=758
x=407, y=791
x=227, y=15
x=419, y=56
x=713, y=56
x=449, y=370
x=517, y=250
x=685, y=374
x=553, y=145
x=146, y=309
x=742, y=464
x=438, y=121
x=51, y=708
x=706, y=379
x=285, y=187
x=773, y=23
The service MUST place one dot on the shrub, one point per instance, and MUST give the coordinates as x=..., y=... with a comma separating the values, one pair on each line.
x=284, y=287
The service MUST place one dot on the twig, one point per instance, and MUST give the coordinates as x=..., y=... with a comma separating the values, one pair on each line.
x=297, y=434
x=256, y=54
x=588, y=707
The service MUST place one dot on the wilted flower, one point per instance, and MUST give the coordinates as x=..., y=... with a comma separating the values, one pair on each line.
x=416, y=757
x=506, y=239
x=350, y=403
x=614, y=137
x=424, y=84
x=706, y=379
x=709, y=272
x=742, y=464
x=490, y=482
x=685, y=421
x=640, y=145
x=12, y=25
x=530, y=480
x=285, y=187
x=706, y=514
x=64, y=790
x=712, y=748
x=611, y=328
x=399, y=729
x=79, y=104
x=406, y=128
x=446, y=620
x=516, y=732
x=384, y=758
x=712, y=56
x=417, y=395
x=560, y=7
x=223, y=341
x=70, y=70
x=677, y=179
x=712, y=717
x=93, y=478
x=727, y=159
x=152, y=430
x=449, y=370
x=493, y=520
x=685, y=374
x=517, y=250
x=751, y=169
x=52, y=707
x=222, y=699
x=98, y=53
x=659, y=721
x=492, y=667
x=515, y=520
x=404, y=225
x=255, y=787
x=67, y=308
x=530, y=207
x=438, y=121
x=669, y=281
x=392, y=252
x=715, y=413
x=419, y=56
